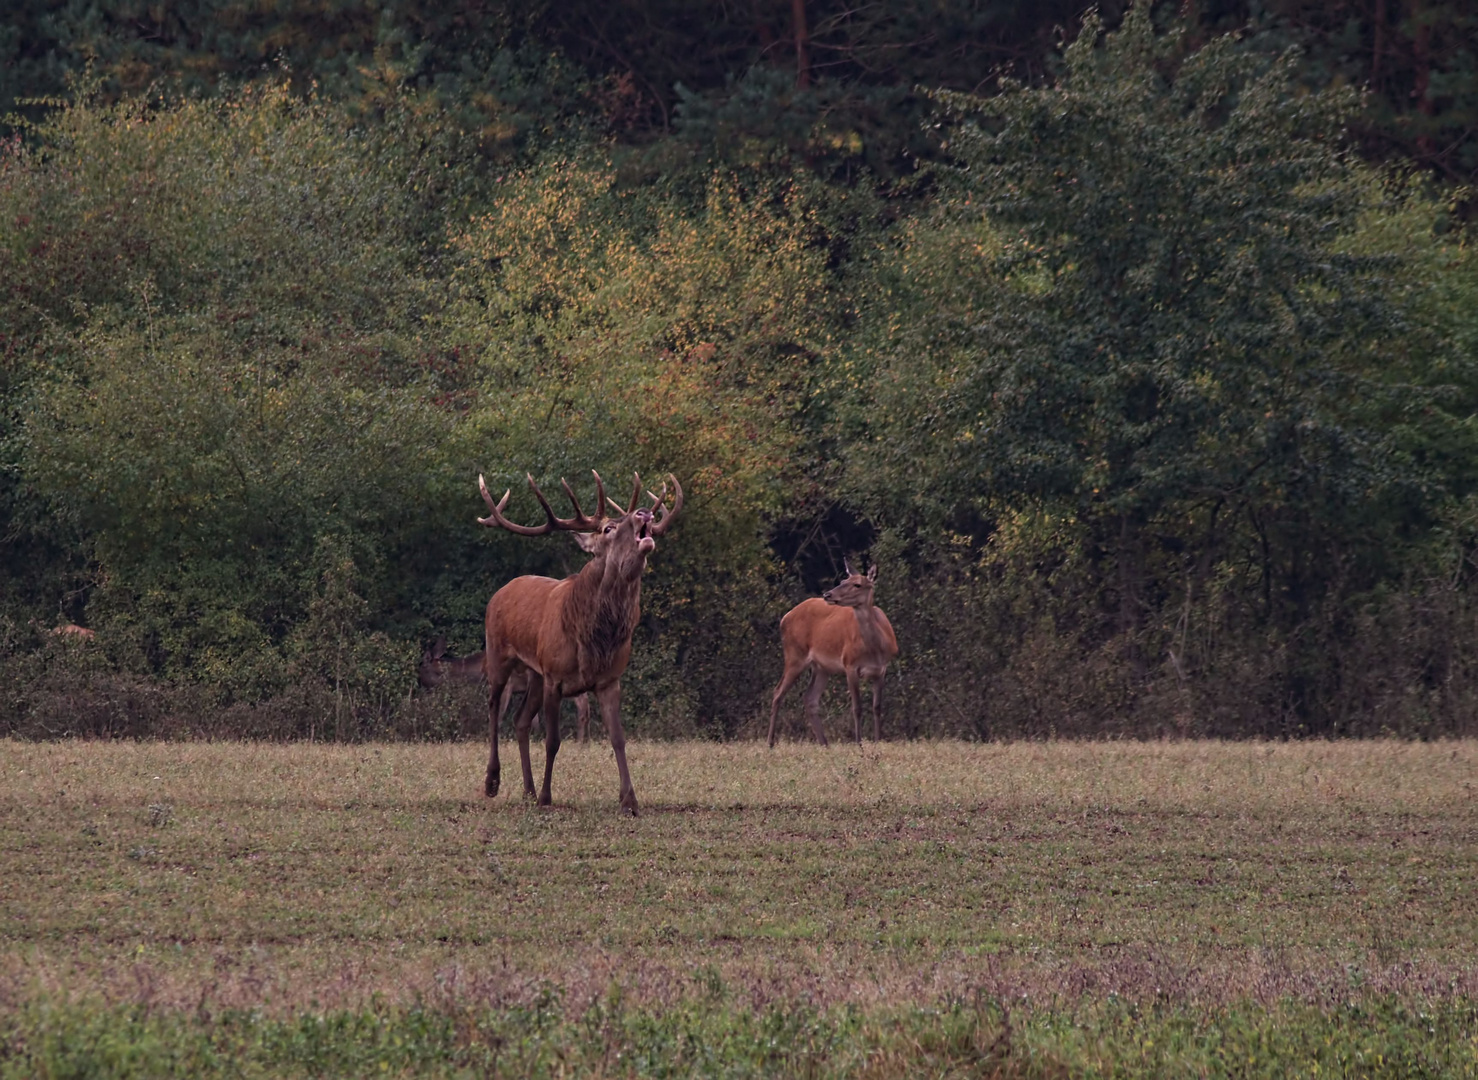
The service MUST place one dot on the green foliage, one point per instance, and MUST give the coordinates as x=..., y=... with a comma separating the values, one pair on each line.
x=1166, y=316
x=657, y=329
x=1152, y=403
x=465, y=59
x=738, y=82
x=1154, y=307
x=706, y=1037
x=275, y=371
x=234, y=369
x=1416, y=59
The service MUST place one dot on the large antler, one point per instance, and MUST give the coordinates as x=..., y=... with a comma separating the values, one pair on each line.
x=667, y=513
x=635, y=497
x=579, y=523
x=660, y=510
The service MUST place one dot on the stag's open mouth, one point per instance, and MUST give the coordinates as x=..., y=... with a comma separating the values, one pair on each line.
x=644, y=541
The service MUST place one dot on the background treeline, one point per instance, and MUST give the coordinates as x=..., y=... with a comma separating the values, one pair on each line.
x=1140, y=358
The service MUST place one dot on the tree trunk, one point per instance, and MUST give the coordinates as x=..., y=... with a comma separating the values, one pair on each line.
x=1131, y=576
x=802, y=43
x=1378, y=44
x=1421, y=52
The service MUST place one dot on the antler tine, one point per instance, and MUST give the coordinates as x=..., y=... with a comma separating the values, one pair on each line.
x=622, y=511
x=496, y=518
x=668, y=512
x=581, y=523
x=554, y=521
x=659, y=499
x=579, y=514
x=600, y=495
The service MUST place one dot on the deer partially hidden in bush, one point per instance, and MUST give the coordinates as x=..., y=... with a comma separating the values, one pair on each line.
x=840, y=633
x=571, y=636
x=437, y=668
x=69, y=632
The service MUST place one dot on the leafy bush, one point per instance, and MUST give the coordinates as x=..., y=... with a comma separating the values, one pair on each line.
x=1156, y=310
x=1155, y=406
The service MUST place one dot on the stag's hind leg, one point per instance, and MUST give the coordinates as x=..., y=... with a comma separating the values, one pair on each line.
x=500, y=689
x=551, y=739
x=582, y=715
x=521, y=726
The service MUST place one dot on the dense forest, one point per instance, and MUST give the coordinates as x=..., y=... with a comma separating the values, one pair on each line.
x=1134, y=346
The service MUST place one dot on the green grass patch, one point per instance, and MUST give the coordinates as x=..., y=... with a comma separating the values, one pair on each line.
x=705, y=1038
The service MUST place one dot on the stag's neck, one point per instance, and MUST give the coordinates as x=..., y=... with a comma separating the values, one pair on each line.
x=602, y=613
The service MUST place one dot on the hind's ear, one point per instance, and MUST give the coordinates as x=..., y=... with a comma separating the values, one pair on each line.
x=872, y=572
x=438, y=647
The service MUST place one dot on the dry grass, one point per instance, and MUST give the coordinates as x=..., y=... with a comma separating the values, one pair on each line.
x=284, y=875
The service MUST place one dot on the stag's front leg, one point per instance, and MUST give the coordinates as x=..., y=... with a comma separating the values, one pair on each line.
x=813, y=703
x=582, y=716
x=610, y=708
x=525, y=721
x=551, y=739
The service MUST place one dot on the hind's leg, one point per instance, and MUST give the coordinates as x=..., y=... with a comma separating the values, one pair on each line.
x=813, y=703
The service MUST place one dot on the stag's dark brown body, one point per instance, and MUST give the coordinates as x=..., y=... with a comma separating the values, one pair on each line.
x=571, y=636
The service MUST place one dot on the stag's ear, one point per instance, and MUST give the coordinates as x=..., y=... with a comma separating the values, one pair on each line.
x=589, y=542
x=872, y=572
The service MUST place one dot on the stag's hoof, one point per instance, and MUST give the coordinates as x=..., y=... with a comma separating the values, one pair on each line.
x=490, y=785
x=628, y=804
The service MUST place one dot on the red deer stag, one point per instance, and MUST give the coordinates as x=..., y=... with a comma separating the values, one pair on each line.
x=437, y=668
x=841, y=633
x=572, y=636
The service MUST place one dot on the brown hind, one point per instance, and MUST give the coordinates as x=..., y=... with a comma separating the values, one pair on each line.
x=840, y=633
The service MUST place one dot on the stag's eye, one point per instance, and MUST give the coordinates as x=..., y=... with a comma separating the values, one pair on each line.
x=610, y=528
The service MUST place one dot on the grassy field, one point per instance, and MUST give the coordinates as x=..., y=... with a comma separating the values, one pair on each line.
x=1032, y=909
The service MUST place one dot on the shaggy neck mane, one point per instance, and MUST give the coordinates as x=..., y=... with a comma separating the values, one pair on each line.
x=601, y=613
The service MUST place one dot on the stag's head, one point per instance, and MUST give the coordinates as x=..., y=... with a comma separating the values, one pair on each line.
x=854, y=590
x=623, y=539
